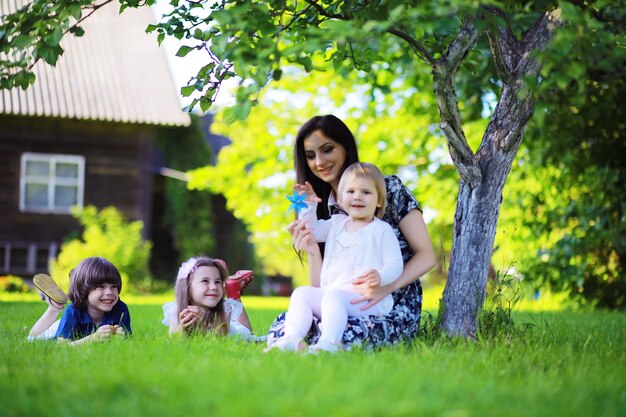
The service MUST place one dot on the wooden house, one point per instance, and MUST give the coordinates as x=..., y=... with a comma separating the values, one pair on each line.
x=83, y=134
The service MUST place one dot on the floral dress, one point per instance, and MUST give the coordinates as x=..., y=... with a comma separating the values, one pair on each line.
x=403, y=322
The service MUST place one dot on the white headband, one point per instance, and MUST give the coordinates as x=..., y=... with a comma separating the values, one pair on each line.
x=187, y=268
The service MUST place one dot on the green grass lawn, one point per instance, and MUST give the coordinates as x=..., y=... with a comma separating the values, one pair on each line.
x=566, y=364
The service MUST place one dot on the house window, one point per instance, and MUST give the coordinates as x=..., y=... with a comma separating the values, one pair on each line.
x=51, y=183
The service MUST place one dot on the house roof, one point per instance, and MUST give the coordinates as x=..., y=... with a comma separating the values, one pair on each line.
x=114, y=72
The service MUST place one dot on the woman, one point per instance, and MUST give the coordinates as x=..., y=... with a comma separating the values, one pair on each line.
x=324, y=148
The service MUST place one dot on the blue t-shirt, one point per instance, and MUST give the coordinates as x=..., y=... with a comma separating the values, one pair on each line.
x=76, y=323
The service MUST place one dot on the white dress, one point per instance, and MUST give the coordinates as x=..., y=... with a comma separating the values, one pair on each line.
x=232, y=307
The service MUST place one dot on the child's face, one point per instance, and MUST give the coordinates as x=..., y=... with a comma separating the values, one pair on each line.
x=103, y=297
x=359, y=198
x=206, y=287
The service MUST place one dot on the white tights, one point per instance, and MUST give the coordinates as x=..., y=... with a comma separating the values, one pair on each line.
x=331, y=306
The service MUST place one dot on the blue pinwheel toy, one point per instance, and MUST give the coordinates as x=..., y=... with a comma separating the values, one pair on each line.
x=297, y=202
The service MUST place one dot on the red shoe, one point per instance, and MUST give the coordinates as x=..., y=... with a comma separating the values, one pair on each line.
x=236, y=283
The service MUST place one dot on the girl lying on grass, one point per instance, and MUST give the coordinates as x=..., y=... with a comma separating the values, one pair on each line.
x=201, y=305
x=95, y=312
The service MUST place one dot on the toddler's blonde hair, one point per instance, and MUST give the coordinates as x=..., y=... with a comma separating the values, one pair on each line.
x=370, y=171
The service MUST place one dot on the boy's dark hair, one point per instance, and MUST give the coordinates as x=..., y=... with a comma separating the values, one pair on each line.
x=88, y=275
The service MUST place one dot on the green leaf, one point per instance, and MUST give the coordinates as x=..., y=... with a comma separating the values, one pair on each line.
x=189, y=108
x=306, y=62
x=243, y=110
x=49, y=54
x=77, y=31
x=187, y=90
x=562, y=80
x=75, y=11
x=23, y=79
x=184, y=50
x=22, y=41
x=397, y=12
x=31, y=78
x=206, y=70
x=204, y=104
x=54, y=37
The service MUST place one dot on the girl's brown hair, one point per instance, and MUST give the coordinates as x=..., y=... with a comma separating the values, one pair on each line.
x=214, y=319
x=88, y=275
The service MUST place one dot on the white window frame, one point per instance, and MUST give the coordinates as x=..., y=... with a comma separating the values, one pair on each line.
x=51, y=181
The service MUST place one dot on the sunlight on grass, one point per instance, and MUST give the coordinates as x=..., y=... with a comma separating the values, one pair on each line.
x=266, y=303
x=547, y=301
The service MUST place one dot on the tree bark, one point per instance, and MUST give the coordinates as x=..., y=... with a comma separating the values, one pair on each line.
x=480, y=196
x=475, y=221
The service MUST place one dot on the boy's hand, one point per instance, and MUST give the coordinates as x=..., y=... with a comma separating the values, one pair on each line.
x=118, y=330
x=104, y=332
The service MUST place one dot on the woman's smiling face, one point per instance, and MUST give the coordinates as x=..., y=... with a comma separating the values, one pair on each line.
x=325, y=157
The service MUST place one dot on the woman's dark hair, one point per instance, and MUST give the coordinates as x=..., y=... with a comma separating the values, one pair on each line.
x=88, y=275
x=335, y=129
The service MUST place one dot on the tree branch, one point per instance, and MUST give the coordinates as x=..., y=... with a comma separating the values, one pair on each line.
x=502, y=42
x=294, y=19
x=322, y=11
x=526, y=65
x=444, y=72
x=504, y=72
x=536, y=39
x=93, y=9
x=420, y=51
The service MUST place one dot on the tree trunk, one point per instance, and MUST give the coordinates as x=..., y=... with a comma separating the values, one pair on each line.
x=475, y=221
x=483, y=175
x=477, y=212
